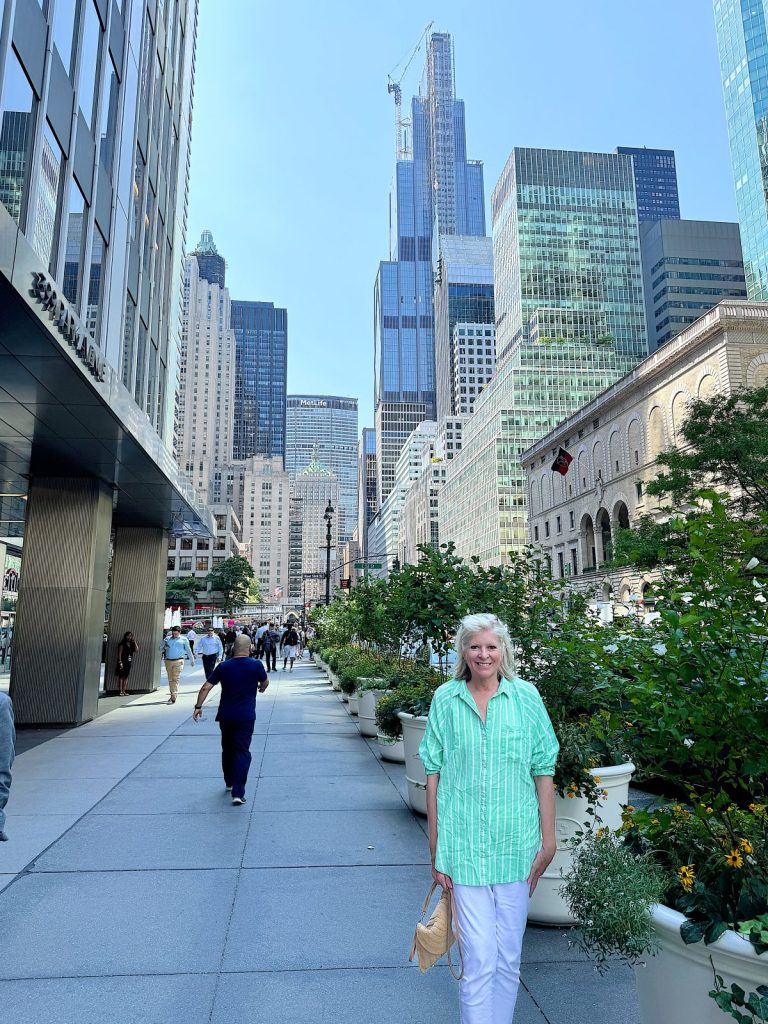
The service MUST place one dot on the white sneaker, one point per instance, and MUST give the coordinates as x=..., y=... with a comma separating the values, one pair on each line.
x=237, y=800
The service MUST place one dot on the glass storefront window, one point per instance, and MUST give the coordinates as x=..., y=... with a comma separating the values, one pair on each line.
x=16, y=134
x=89, y=62
x=48, y=197
x=64, y=31
x=95, y=283
x=73, y=253
x=108, y=117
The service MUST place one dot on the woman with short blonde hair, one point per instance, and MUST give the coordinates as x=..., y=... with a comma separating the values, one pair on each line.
x=489, y=752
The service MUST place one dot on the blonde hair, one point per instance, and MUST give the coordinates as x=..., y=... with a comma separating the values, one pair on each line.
x=469, y=627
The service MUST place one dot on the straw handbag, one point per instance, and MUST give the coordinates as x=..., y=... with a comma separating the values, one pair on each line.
x=435, y=938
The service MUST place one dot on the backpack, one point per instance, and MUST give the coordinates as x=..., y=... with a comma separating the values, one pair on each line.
x=291, y=638
x=270, y=640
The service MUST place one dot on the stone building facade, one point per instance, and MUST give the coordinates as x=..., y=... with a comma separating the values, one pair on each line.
x=615, y=439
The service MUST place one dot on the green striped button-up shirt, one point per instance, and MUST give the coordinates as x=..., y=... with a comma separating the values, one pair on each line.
x=488, y=828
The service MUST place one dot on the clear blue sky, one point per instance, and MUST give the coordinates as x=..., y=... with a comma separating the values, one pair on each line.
x=293, y=134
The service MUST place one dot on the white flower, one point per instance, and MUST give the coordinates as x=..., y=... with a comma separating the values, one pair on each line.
x=659, y=648
x=687, y=597
x=756, y=583
x=611, y=648
x=753, y=563
x=687, y=743
x=760, y=598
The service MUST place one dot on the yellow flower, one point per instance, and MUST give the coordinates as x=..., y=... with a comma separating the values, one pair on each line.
x=597, y=779
x=629, y=808
x=601, y=832
x=746, y=846
x=605, y=794
x=678, y=808
x=734, y=859
x=655, y=821
x=629, y=724
x=687, y=876
x=710, y=811
x=570, y=795
x=757, y=808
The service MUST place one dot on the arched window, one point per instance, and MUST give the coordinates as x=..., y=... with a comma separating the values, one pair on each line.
x=603, y=524
x=587, y=538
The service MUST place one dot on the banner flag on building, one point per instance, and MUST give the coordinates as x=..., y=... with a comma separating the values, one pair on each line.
x=278, y=591
x=562, y=462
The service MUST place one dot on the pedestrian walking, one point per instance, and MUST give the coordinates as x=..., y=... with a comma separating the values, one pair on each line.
x=240, y=678
x=290, y=646
x=175, y=651
x=126, y=649
x=269, y=643
x=7, y=753
x=489, y=753
x=211, y=649
x=310, y=642
x=260, y=639
x=229, y=641
x=191, y=638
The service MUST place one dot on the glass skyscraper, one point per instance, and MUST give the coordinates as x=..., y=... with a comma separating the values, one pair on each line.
x=261, y=350
x=655, y=183
x=570, y=321
x=436, y=192
x=742, y=39
x=324, y=428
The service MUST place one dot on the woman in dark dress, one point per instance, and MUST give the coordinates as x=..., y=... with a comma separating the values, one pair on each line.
x=125, y=652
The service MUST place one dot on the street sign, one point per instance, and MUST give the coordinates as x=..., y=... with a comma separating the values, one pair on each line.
x=368, y=565
x=345, y=583
x=313, y=575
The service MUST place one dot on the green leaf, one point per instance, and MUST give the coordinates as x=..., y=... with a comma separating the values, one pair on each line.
x=692, y=931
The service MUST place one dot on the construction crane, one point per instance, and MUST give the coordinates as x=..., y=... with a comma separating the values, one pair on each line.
x=402, y=124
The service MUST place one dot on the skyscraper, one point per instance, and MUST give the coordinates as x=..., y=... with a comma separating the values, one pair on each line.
x=436, y=192
x=463, y=294
x=313, y=489
x=207, y=377
x=261, y=352
x=95, y=111
x=742, y=39
x=570, y=321
x=325, y=427
x=655, y=182
x=366, y=484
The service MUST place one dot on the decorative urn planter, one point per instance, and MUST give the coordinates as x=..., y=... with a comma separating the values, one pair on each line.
x=391, y=748
x=352, y=701
x=547, y=906
x=673, y=986
x=414, y=727
x=366, y=710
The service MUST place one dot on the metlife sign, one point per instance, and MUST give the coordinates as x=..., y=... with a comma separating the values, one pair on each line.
x=69, y=325
x=310, y=402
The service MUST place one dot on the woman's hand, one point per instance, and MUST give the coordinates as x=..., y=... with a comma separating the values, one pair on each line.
x=541, y=862
x=443, y=880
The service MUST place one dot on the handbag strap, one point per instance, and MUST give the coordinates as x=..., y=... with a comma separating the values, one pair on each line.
x=453, y=924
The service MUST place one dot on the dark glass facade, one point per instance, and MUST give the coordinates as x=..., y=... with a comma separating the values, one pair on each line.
x=655, y=183
x=261, y=347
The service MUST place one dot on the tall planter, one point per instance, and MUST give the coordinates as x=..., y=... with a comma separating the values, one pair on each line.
x=547, y=906
x=414, y=727
x=673, y=986
x=366, y=711
x=391, y=748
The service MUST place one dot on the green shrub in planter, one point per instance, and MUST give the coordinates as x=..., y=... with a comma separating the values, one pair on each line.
x=415, y=699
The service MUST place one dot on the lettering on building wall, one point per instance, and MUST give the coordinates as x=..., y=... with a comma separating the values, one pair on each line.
x=69, y=325
x=313, y=403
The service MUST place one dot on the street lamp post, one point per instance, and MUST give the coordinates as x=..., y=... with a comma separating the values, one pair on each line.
x=328, y=516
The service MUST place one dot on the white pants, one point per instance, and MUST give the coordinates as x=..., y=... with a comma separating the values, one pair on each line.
x=492, y=923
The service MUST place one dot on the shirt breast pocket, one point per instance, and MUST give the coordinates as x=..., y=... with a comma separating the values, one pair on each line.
x=516, y=745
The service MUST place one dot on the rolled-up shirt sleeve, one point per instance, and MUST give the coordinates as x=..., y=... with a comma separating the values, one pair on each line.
x=431, y=747
x=545, y=745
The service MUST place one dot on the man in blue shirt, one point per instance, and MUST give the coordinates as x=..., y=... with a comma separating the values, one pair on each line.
x=175, y=650
x=241, y=678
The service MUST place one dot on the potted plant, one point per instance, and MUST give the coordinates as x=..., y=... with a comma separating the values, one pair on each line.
x=370, y=690
x=679, y=892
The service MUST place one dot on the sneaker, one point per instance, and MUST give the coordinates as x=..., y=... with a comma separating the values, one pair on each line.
x=229, y=789
x=237, y=800
x=3, y=837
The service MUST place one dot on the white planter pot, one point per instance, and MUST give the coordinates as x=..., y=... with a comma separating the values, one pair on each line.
x=547, y=906
x=334, y=681
x=414, y=727
x=366, y=711
x=343, y=696
x=352, y=703
x=391, y=748
x=673, y=985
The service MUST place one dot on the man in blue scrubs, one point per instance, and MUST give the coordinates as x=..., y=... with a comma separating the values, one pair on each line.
x=241, y=678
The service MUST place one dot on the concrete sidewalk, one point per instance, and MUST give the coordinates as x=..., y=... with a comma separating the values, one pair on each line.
x=147, y=898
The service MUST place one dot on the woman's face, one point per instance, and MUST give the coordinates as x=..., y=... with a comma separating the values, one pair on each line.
x=483, y=655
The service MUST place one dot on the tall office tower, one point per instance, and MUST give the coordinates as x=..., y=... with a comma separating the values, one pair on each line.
x=324, y=427
x=463, y=292
x=437, y=191
x=742, y=39
x=95, y=110
x=261, y=351
x=295, y=552
x=314, y=487
x=266, y=495
x=655, y=182
x=366, y=484
x=474, y=350
x=210, y=263
x=570, y=321
x=688, y=267
x=207, y=377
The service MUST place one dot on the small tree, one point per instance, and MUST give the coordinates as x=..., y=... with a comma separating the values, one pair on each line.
x=232, y=578
x=182, y=591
